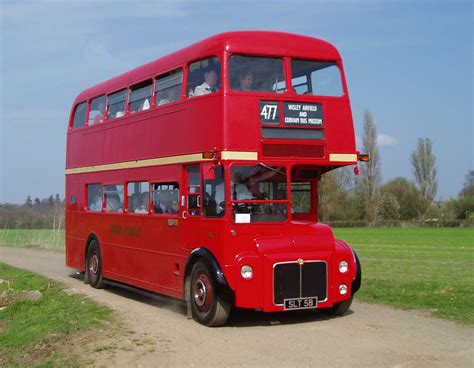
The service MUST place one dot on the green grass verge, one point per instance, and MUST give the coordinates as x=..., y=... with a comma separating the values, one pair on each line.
x=58, y=313
x=37, y=238
x=417, y=268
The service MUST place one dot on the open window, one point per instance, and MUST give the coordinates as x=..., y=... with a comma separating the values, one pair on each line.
x=168, y=87
x=140, y=96
x=166, y=198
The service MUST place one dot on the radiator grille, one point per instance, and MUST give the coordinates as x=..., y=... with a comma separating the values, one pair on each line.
x=290, y=280
x=292, y=150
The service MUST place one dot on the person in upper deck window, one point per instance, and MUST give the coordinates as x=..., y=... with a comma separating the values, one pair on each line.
x=246, y=81
x=209, y=85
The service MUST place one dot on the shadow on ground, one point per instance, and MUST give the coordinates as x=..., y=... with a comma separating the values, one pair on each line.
x=238, y=317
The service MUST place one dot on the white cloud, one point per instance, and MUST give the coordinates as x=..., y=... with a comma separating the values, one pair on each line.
x=385, y=140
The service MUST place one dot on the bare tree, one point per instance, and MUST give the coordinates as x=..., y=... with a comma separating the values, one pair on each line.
x=371, y=172
x=424, y=171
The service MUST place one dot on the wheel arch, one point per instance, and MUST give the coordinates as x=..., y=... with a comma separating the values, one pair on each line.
x=223, y=289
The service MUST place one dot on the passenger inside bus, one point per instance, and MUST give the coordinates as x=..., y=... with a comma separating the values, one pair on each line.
x=169, y=95
x=209, y=85
x=240, y=191
x=246, y=81
x=166, y=204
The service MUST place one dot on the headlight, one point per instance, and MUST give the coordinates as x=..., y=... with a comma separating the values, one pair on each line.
x=246, y=272
x=343, y=289
x=343, y=267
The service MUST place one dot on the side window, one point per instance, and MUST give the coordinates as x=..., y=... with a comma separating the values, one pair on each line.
x=116, y=104
x=166, y=198
x=138, y=197
x=214, y=194
x=113, y=195
x=194, y=190
x=97, y=112
x=140, y=96
x=80, y=115
x=168, y=87
x=300, y=197
x=204, y=77
x=94, y=197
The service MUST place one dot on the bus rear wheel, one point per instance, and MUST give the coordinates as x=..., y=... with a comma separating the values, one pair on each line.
x=206, y=305
x=94, y=265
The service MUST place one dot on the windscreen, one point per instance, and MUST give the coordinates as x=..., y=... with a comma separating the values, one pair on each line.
x=320, y=78
x=259, y=193
x=257, y=74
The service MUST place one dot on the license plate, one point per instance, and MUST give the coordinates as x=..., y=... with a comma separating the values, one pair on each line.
x=301, y=303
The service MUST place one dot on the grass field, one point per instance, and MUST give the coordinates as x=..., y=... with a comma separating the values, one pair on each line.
x=417, y=268
x=411, y=268
x=32, y=330
x=38, y=238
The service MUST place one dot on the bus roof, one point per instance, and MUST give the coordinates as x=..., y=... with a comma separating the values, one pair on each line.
x=248, y=42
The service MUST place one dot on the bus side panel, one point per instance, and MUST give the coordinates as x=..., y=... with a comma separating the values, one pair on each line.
x=75, y=243
x=201, y=128
x=166, y=135
x=138, y=140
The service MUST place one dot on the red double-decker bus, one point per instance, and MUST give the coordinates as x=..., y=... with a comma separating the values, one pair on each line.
x=196, y=176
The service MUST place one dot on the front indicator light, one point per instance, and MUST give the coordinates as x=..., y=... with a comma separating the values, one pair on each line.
x=343, y=267
x=246, y=272
x=343, y=289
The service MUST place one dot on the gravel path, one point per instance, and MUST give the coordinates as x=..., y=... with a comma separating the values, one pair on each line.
x=370, y=336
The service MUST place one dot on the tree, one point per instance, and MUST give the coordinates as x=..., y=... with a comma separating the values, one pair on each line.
x=370, y=173
x=28, y=202
x=389, y=208
x=466, y=198
x=423, y=161
x=37, y=201
x=51, y=200
x=407, y=195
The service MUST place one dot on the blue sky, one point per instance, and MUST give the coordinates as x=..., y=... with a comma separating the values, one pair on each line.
x=408, y=62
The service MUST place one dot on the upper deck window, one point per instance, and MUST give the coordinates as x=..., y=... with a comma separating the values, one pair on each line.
x=117, y=103
x=97, y=112
x=262, y=74
x=140, y=96
x=80, y=115
x=204, y=77
x=320, y=78
x=168, y=87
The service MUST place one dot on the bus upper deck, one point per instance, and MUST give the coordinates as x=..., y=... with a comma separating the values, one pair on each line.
x=263, y=104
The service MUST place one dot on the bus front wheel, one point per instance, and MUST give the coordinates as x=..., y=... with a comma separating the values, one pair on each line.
x=94, y=265
x=207, y=307
x=338, y=309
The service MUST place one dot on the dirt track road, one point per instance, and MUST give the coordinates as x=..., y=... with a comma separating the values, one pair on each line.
x=371, y=336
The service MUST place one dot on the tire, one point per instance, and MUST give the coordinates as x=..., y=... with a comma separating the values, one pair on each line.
x=206, y=305
x=339, y=309
x=94, y=265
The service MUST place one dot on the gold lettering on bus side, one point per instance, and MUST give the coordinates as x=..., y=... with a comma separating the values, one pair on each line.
x=130, y=231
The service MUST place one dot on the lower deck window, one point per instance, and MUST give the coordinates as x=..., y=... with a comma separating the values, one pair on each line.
x=166, y=198
x=113, y=195
x=94, y=197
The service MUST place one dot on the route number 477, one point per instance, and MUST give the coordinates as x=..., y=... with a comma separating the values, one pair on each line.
x=269, y=112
